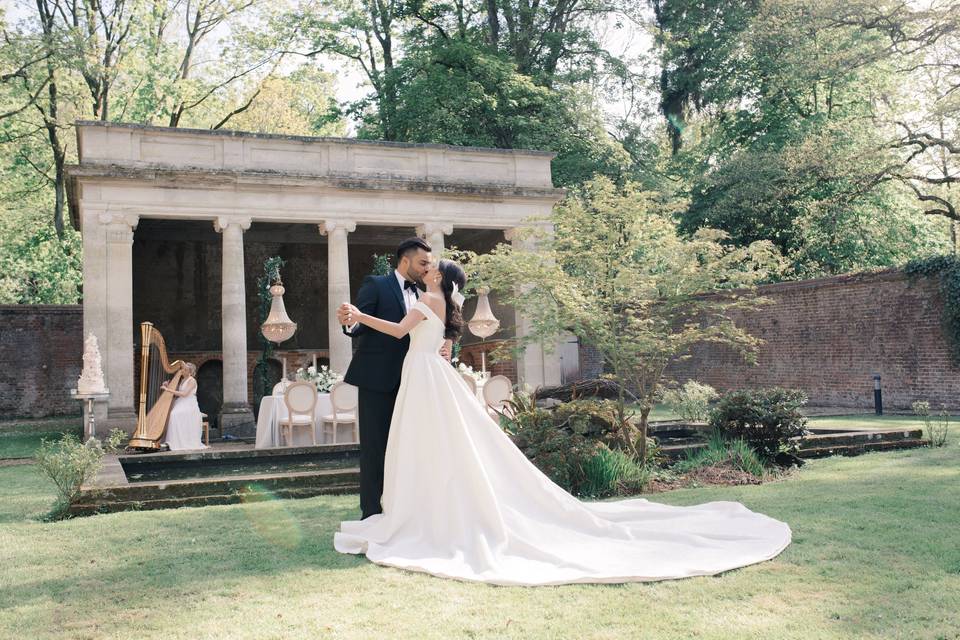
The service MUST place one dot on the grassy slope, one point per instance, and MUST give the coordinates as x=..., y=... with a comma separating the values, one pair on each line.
x=874, y=556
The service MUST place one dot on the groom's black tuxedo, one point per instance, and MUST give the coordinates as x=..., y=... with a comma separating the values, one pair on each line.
x=378, y=357
x=375, y=371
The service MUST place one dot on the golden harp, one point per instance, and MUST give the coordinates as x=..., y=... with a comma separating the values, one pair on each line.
x=155, y=402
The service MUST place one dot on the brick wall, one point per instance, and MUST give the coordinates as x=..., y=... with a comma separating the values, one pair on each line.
x=830, y=336
x=41, y=355
x=470, y=354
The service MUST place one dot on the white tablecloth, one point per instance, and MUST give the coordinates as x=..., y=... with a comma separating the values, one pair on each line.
x=273, y=411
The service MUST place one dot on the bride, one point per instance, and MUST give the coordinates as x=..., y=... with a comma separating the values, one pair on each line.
x=460, y=500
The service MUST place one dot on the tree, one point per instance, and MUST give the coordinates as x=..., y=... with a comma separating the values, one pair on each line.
x=453, y=92
x=617, y=275
x=789, y=123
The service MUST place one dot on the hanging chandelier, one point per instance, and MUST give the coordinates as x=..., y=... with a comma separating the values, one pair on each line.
x=483, y=324
x=278, y=326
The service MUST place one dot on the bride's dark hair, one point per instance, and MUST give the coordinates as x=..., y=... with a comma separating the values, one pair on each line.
x=452, y=273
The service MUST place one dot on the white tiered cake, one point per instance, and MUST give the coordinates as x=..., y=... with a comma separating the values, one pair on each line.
x=91, y=378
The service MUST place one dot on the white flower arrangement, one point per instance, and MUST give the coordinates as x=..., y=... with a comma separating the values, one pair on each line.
x=465, y=368
x=324, y=378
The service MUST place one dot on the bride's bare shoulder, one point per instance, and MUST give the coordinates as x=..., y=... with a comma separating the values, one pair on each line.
x=435, y=302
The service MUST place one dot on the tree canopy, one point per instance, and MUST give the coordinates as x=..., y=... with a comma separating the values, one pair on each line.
x=828, y=128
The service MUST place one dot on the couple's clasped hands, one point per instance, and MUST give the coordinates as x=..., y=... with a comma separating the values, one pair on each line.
x=348, y=314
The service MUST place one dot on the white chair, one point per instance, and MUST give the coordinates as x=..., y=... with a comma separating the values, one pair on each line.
x=280, y=387
x=471, y=382
x=344, y=400
x=301, y=401
x=496, y=391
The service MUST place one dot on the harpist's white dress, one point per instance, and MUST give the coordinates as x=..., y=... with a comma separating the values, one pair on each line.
x=185, y=424
x=461, y=501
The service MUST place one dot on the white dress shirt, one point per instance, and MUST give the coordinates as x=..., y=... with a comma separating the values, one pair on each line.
x=409, y=295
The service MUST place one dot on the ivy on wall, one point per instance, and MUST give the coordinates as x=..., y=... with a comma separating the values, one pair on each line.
x=947, y=269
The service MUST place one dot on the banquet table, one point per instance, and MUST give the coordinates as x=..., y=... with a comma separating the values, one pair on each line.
x=273, y=411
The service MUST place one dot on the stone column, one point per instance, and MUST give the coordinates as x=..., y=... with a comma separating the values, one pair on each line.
x=236, y=418
x=338, y=289
x=537, y=366
x=433, y=233
x=108, y=308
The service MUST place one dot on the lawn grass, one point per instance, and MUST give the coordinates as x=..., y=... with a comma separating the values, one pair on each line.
x=20, y=438
x=874, y=555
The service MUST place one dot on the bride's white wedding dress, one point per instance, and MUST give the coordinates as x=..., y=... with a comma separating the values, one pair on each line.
x=461, y=501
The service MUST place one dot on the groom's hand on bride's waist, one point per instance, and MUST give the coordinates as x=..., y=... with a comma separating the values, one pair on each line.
x=446, y=349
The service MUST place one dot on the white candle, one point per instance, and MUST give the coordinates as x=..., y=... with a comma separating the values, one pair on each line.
x=314, y=361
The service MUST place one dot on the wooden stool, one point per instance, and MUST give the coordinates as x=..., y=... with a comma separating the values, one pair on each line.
x=206, y=429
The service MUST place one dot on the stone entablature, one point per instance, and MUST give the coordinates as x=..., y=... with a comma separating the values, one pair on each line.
x=220, y=150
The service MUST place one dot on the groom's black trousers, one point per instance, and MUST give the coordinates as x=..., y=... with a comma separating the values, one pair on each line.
x=376, y=410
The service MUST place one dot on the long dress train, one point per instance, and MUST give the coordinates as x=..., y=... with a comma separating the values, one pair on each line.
x=461, y=501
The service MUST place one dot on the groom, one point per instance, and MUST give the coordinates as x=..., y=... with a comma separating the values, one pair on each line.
x=376, y=364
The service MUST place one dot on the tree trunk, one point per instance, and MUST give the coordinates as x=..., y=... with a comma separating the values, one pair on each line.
x=493, y=21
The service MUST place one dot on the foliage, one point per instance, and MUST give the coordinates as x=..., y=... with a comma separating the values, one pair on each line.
x=36, y=267
x=458, y=93
x=115, y=441
x=578, y=444
x=938, y=428
x=722, y=451
x=68, y=463
x=691, y=401
x=819, y=146
x=769, y=420
x=213, y=64
x=559, y=453
x=261, y=371
x=381, y=264
x=612, y=472
x=618, y=276
x=947, y=269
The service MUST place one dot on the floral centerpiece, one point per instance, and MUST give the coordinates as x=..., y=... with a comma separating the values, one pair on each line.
x=465, y=368
x=323, y=377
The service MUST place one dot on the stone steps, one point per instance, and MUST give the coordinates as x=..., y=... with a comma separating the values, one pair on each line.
x=828, y=442
x=863, y=447
x=217, y=490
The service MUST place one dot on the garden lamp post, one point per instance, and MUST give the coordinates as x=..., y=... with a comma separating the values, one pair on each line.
x=278, y=326
x=483, y=324
x=877, y=395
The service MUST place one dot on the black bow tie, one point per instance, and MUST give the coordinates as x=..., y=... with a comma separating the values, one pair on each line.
x=410, y=285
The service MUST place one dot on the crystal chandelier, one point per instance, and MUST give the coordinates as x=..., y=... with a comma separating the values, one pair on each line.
x=483, y=324
x=278, y=326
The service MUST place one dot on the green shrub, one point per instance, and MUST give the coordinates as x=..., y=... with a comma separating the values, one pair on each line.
x=611, y=472
x=560, y=454
x=68, y=463
x=721, y=451
x=937, y=427
x=691, y=401
x=116, y=441
x=769, y=420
